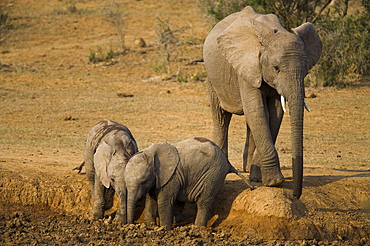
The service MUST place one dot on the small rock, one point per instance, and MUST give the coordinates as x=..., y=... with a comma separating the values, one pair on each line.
x=124, y=94
x=312, y=95
x=68, y=117
x=160, y=228
x=139, y=42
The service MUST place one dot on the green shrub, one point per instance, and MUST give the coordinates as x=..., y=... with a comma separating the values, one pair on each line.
x=346, y=53
x=98, y=55
x=181, y=77
x=4, y=23
x=160, y=67
x=3, y=17
x=219, y=9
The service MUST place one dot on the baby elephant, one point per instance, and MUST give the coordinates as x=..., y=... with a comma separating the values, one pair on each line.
x=109, y=146
x=192, y=170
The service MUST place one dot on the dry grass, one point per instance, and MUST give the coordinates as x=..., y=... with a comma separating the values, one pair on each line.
x=49, y=79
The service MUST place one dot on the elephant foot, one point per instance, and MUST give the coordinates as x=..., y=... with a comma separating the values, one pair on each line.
x=255, y=174
x=273, y=181
x=120, y=218
x=97, y=214
x=272, y=176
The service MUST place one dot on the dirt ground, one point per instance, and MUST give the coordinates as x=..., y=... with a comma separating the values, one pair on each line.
x=51, y=95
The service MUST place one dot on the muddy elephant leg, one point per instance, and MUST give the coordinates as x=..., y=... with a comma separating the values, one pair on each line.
x=166, y=200
x=203, y=211
x=151, y=208
x=221, y=121
x=98, y=199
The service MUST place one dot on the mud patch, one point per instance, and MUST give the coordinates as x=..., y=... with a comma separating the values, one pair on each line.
x=239, y=213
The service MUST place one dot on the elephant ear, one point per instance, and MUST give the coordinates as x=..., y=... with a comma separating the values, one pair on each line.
x=166, y=160
x=312, y=42
x=102, y=157
x=241, y=43
x=130, y=150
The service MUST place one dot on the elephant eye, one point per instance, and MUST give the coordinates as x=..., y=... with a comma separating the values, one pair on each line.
x=277, y=69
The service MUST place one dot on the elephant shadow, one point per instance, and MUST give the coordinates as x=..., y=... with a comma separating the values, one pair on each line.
x=321, y=180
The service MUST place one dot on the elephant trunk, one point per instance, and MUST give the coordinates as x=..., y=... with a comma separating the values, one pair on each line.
x=131, y=203
x=296, y=106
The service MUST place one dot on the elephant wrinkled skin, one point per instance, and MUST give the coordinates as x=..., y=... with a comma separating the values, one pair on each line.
x=109, y=146
x=192, y=170
x=251, y=61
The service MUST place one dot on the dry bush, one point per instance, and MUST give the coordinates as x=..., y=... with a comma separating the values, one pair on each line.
x=113, y=14
x=167, y=42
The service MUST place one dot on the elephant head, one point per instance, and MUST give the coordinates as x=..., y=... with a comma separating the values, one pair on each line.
x=260, y=50
x=110, y=159
x=151, y=168
x=113, y=152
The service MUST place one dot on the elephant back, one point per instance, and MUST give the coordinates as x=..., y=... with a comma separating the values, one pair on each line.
x=204, y=167
x=201, y=152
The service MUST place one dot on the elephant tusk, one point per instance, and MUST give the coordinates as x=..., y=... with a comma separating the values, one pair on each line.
x=306, y=106
x=283, y=103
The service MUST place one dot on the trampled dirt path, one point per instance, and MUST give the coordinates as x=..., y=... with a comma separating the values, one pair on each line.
x=50, y=97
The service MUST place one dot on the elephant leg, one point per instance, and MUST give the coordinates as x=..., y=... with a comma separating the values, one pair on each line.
x=254, y=158
x=251, y=163
x=221, y=121
x=178, y=212
x=166, y=201
x=90, y=174
x=249, y=149
x=203, y=211
x=276, y=115
x=109, y=197
x=151, y=208
x=257, y=116
x=98, y=199
x=255, y=167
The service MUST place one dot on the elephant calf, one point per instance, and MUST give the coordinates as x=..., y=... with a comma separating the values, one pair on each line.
x=192, y=170
x=109, y=146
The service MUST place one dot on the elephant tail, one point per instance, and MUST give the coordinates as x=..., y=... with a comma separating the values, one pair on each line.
x=79, y=168
x=233, y=170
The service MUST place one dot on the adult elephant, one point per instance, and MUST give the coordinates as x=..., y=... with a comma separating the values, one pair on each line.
x=252, y=62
